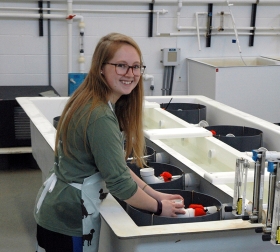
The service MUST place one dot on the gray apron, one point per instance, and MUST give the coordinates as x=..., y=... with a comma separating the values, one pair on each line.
x=93, y=191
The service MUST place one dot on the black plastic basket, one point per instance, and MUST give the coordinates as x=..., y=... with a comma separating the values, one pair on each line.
x=144, y=218
x=243, y=139
x=189, y=112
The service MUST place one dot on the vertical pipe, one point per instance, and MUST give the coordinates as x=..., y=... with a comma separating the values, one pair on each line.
x=40, y=11
x=168, y=81
x=271, y=196
x=49, y=46
x=171, y=81
x=253, y=24
x=164, y=81
x=209, y=25
x=69, y=24
x=151, y=19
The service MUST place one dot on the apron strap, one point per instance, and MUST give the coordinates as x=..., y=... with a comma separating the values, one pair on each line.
x=49, y=185
x=76, y=185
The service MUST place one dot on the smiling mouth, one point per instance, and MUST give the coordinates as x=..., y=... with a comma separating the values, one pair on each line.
x=126, y=82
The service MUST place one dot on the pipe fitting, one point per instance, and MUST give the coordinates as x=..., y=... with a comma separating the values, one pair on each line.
x=148, y=175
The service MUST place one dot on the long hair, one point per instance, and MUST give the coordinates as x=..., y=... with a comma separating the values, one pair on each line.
x=95, y=90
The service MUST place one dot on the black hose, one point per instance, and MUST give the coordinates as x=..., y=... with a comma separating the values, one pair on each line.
x=164, y=81
x=171, y=80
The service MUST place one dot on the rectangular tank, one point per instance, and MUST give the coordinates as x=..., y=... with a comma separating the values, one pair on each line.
x=118, y=232
x=250, y=84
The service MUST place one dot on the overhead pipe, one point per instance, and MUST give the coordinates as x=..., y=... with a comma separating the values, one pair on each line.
x=163, y=11
x=35, y=16
x=175, y=1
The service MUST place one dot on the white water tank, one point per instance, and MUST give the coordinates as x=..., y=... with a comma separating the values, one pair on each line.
x=250, y=84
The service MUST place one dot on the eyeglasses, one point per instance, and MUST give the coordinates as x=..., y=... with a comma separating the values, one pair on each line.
x=122, y=69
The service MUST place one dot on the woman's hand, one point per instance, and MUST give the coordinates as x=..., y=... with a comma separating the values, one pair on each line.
x=171, y=208
x=167, y=196
x=172, y=204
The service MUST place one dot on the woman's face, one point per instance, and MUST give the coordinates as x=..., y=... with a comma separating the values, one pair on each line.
x=121, y=84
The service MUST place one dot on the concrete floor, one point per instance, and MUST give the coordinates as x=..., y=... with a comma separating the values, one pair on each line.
x=19, y=184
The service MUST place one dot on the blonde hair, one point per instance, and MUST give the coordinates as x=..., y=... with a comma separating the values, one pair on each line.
x=95, y=90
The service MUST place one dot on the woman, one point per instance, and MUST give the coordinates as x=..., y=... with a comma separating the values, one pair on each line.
x=90, y=152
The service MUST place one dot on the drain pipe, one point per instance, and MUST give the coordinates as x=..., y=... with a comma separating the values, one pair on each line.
x=149, y=77
x=180, y=5
x=234, y=26
x=148, y=175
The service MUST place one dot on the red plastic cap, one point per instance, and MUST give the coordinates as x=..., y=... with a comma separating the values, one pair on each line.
x=166, y=176
x=214, y=133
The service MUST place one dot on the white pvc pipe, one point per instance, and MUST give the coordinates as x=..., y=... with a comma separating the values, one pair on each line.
x=175, y=1
x=234, y=26
x=163, y=11
x=151, y=78
x=35, y=16
x=197, y=27
x=178, y=34
x=180, y=5
x=69, y=36
x=148, y=175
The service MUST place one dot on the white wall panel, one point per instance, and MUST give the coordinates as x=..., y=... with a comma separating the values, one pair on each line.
x=21, y=37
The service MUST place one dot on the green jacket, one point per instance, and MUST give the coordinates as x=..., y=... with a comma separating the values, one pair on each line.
x=97, y=147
